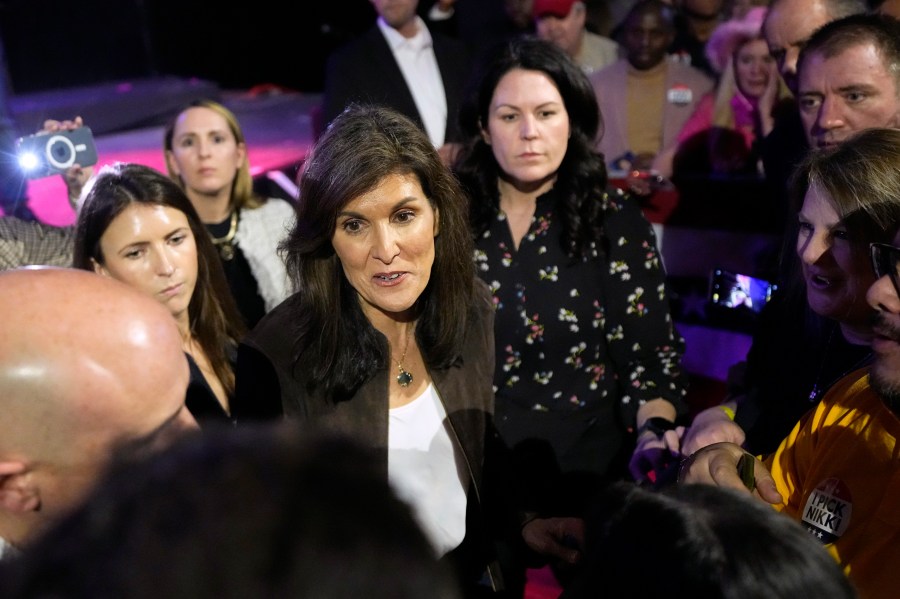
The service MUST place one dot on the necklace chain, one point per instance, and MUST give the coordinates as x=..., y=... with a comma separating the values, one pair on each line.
x=224, y=244
x=817, y=391
x=404, y=378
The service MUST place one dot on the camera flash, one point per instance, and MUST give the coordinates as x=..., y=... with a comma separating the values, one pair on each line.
x=28, y=161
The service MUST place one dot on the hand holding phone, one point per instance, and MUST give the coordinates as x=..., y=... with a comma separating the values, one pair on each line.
x=48, y=153
x=745, y=467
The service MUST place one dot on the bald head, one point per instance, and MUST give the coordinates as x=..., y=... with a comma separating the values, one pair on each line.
x=87, y=364
x=790, y=23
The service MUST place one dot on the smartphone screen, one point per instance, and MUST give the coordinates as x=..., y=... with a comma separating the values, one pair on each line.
x=739, y=291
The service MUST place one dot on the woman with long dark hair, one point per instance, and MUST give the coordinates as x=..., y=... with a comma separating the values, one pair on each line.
x=137, y=226
x=587, y=355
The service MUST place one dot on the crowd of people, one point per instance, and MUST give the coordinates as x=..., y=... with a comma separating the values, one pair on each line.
x=452, y=357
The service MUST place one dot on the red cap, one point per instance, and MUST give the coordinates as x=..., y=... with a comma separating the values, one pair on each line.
x=557, y=8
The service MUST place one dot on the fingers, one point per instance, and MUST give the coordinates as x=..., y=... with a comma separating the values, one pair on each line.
x=672, y=441
x=712, y=465
x=717, y=464
x=765, y=485
x=51, y=125
x=724, y=473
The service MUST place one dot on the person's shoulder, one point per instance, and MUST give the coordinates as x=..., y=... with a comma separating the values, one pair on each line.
x=612, y=76
x=356, y=49
x=853, y=390
x=616, y=201
x=595, y=39
x=12, y=227
x=690, y=74
x=623, y=213
x=482, y=295
x=276, y=328
x=612, y=71
x=275, y=206
x=481, y=311
x=850, y=402
x=272, y=217
x=447, y=41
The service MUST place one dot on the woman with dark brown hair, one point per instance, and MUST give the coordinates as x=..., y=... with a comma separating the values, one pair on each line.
x=137, y=226
x=389, y=337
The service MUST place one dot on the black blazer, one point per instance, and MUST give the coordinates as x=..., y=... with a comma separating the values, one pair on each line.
x=365, y=70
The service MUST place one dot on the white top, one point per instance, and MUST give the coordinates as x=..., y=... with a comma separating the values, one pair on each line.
x=426, y=470
x=415, y=57
x=6, y=550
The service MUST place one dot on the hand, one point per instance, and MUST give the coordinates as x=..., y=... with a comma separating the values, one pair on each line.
x=75, y=176
x=767, y=100
x=446, y=5
x=770, y=94
x=716, y=464
x=652, y=454
x=555, y=537
x=712, y=425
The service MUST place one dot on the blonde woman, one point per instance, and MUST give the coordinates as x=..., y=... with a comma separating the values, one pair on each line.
x=206, y=154
x=720, y=136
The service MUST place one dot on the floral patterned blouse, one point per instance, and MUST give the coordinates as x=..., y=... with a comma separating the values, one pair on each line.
x=579, y=344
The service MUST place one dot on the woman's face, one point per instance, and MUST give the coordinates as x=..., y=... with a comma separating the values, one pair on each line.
x=836, y=269
x=754, y=67
x=527, y=128
x=205, y=153
x=385, y=242
x=151, y=248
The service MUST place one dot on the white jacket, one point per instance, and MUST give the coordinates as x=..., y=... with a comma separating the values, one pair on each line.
x=260, y=230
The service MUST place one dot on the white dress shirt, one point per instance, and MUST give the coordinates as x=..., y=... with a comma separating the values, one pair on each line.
x=415, y=57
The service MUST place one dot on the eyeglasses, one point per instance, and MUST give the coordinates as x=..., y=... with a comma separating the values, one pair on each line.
x=886, y=261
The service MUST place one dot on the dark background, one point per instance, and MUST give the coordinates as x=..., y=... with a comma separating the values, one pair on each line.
x=52, y=44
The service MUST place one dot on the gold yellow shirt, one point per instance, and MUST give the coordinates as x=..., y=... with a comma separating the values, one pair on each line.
x=839, y=472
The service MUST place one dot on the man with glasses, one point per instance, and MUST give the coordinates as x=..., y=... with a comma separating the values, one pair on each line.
x=838, y=472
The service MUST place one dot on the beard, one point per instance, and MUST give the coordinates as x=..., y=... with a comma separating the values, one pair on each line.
x=887, y=389
x=884, y=378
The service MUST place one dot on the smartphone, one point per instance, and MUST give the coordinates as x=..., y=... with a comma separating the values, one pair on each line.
x=44, y=154
x=738, y=291
x=745, y=467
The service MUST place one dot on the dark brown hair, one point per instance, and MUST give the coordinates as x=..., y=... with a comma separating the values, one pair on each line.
x=361, y=147
x=582, y=173
x=214, y=319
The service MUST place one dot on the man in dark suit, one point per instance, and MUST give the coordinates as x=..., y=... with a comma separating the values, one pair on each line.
x=401, y=64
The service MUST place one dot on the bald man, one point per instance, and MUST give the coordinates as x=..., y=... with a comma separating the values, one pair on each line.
x=88, y=367
x=790, y=23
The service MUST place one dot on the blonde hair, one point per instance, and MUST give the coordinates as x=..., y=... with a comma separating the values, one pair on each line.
x=723, y=113
x=242, y=194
